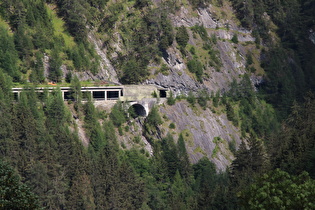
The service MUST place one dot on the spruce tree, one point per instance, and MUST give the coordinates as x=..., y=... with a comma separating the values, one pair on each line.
x=170, y=155
x=14, y=194
x=184, y=164
x=55, y=63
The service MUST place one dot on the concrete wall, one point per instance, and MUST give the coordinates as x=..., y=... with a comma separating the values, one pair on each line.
x=138, y=92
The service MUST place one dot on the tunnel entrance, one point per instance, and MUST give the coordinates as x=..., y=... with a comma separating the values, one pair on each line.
x=137, y=110
x=163, y=93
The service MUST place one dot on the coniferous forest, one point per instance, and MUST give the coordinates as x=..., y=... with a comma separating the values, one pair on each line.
x=45, y=165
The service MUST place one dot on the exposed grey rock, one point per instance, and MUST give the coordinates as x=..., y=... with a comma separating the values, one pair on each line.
x=204, y=127
x=107, y=71
x=135, y=129
x=86, y=75
x=184, y=18
x=232, y=55
x=256, y=80
x=177, y=80
x=46, y=65
x=206, y=18
x=224, y=34
x=242, y=35
x=245, y=37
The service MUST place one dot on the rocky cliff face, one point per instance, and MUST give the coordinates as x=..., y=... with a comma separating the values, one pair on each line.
x=206, y=133
x=219, y=22
x=232, y=55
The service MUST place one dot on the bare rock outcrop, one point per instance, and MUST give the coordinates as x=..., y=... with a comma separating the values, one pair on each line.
x=205, y=133
x=177, y=79
x=232, y=55
x=185, y=18
x=107, y=71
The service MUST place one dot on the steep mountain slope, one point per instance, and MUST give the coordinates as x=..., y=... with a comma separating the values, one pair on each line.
x=222, y=59
x=210, y=39
x=231, y=57
x=186, y=46
x=205, y=133
x=238, y=72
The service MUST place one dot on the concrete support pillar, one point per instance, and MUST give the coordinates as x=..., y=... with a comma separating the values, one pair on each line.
x=105, y=95
x=146, y=107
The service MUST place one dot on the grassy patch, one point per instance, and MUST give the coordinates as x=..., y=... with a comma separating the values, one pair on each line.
x=215, y=151
x=136, y=139
x=217, y=140
x=200, y=150
x=256, y=65
x=205, y=50
x=232, y=146
x=59, y=27
x=202, y=125
x=188, y=137
x=64, y=84
x=4, y=24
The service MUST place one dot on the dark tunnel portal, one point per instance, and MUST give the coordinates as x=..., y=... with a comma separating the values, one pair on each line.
x=139, y=110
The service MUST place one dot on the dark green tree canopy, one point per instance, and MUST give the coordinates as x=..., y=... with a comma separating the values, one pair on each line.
x=182, y=36
x=280, y=190
x=14, y=194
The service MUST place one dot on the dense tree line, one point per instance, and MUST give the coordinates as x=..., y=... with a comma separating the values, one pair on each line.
x=30, y=33
x=273, y=150
x=147, y=37
x=288, y=64
x=286, y=157
x=281, y=153
x=38, y=140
